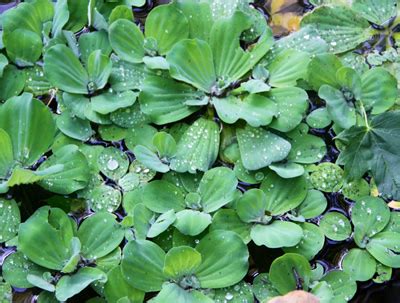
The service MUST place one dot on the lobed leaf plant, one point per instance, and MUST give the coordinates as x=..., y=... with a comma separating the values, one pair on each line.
x=191, y=156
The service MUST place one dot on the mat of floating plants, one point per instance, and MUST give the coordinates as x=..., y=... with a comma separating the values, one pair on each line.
x=199, y=151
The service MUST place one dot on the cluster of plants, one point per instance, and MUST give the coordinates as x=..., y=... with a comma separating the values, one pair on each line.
x=168, y=150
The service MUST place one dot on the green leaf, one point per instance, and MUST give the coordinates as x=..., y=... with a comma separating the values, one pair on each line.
x=259, y=147
x=288, y=271
x=343, y=285
x=313, y=205
x=198, y=147
x=26, y=119
x=74, y=175
x=263, y=288
x=104, y=198
x=141, y=135
x=24, y=47
x=227, y=219
x=113, y=163
x=306, y=148
x=231, y=61
x=374, y=148
x=322, y=291
x=327, y=177
x=164, y=100
x=181, y=261
x=224, y=259
x=383, y=273
x=335, y=226
x=322, y=71
x=171, y=292
x=165, y=144
x=39, y=282
x=349, y=81
x=64, y=70
x=277, y=234
x=142, y=218
x=356, y=189
x=168, y=25
x=379, y=14
x=161, y=196
x=99, y=69
x=192, y=222
x=21, y=176
x=12, y=82
x=150, y=159
x=45, y=238
x=162, y=223
x=292, y=105
x=319, y=118
x=241, y=292
x=10, y=219
x=359, y=264
x=127, y=40
x=350, y=29
x=142, y=265
x=99, y=234
x=379, y=90
x=78, y=15
x=385, y=248
x=255, y=109
x=369, y=215
x=251, y=206
x=287, y=67
x=16, y=268
x=282, y=197
x=191, y=61
x=217, y=188
x=340, y=110
x=310, y=244
x=61, y=17
x=121, y=12
x=110, y=102
x=117, y=287
x=287, y=169
x=6, y=154
x=92, y=41
x=36, y=82
x=69, y=286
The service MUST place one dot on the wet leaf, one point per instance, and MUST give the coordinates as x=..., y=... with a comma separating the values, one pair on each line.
x=259, y=147
x=290, y=272
x=335, y=226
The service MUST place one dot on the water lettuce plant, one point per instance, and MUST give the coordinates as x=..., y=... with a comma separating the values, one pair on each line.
x=185, y=153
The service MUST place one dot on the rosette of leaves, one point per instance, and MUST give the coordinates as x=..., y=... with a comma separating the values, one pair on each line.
x=188, y=155
x=24, y=37
x=377, y=234
x=113, y=177
x=262, y=215
x=220, y=259
x=305, y=149
x=345, y=27
x=202, y=67
x=55, y=255
x=92, y=89
x=23, y=120
x=293, y=272
x=188, y=210
x=347, y=93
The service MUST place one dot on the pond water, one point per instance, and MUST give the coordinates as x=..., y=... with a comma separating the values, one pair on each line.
x=284, y=17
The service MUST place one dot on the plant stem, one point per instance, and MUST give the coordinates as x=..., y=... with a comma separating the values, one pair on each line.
x=364, y=113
